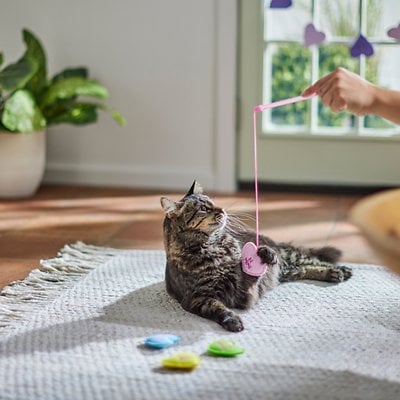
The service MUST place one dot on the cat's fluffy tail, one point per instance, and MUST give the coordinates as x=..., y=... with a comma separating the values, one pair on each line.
x=328, y=254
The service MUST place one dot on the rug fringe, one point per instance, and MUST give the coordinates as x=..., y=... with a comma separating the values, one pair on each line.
x=71, y=262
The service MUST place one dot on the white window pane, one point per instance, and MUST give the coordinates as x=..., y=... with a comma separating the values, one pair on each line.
x=388, y=60
x=287, y=72
x=382, y=15
x=287, y=23
x=338, y=18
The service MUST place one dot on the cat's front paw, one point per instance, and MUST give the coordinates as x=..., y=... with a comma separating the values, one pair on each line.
x=267, y=255
x=232, y=323
x=340, y=273
x=347, y=272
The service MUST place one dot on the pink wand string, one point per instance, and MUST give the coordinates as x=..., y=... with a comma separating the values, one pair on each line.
x=257, y=109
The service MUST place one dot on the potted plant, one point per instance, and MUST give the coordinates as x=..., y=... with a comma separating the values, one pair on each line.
x=29, y=103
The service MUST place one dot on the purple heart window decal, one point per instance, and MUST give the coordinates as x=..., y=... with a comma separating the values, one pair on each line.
x=361, y=46
x=312, y=36
x=280, y=3
x=394, y=33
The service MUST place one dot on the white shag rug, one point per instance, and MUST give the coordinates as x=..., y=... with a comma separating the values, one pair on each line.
x=75, y=329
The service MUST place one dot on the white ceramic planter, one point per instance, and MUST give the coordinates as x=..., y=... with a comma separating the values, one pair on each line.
x=22, y=163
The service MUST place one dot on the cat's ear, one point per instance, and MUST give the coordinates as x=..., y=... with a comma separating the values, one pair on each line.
x=195, y=189
x=168, y=205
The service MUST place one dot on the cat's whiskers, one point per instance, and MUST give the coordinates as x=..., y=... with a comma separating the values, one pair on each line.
x=234, y=223
x=245, y=216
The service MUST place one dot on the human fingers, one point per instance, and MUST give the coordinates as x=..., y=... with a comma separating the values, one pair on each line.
x=316, y=87
x=331, y=97
x=337, y=104
x=309, y=91
x=327, y=92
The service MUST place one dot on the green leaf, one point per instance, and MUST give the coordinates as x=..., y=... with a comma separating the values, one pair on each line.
x=80, y=72
x=118, y=118
x=58, y=108
x=1, y=58
x=71, y=87
x=21, y=113
x=72, y=112
x=15, y=76
x=78, y=113
x=36, y=53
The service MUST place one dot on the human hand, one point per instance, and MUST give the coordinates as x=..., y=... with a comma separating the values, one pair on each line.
x=343, y=90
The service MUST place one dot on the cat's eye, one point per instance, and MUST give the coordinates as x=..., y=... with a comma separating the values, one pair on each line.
x=203, y=208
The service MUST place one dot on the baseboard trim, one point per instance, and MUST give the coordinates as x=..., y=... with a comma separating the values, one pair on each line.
x=342, y=189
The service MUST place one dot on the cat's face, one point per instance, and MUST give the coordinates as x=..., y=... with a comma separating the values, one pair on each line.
x=195, y=212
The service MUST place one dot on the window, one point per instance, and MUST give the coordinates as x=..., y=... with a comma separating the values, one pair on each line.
x=290, y=65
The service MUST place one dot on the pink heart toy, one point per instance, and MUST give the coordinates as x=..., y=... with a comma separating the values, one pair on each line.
x=394, y=33
x=312, y=36
x=251, y=262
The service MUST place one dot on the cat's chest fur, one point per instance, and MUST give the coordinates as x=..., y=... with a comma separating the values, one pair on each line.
x=218, y=252
x=218, y=256
x=210, y=267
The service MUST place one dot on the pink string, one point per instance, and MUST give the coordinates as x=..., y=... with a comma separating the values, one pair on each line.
x=255, y=171
x=257, y=109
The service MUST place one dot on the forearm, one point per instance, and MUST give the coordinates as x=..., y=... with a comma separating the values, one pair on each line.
x=386, y=104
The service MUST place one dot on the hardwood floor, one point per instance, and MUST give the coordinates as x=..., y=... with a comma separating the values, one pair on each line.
x=37, y=228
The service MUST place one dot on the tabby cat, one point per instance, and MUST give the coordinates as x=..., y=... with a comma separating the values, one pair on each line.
x=204, y=267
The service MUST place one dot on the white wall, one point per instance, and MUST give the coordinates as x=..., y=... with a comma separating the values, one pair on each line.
x=170, y=68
